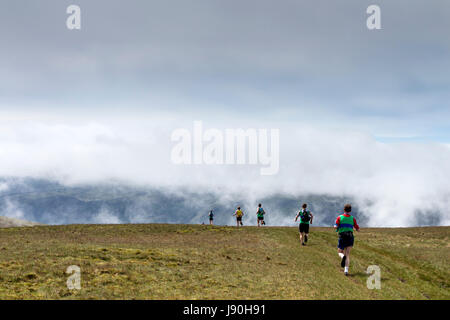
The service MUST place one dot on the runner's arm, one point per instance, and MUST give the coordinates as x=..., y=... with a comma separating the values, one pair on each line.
x=296, y=217
x=312, y=216
x=338, y=221
x=356, y=225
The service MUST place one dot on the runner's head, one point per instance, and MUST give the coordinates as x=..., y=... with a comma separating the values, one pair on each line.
x=348, y=208
x=259, y=205
x=304, y=206
x=239, y=208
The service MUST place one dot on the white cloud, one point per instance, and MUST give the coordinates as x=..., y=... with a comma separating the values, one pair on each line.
x=105, y=217
x=3, y=187
x=11, y=211
x=389, y=181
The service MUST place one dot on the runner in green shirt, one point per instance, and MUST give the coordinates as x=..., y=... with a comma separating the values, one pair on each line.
x=260, y=215
x=306, y=217
x=344, y=225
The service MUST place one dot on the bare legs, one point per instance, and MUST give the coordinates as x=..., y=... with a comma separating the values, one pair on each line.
x=347, y=257
x=345, y=254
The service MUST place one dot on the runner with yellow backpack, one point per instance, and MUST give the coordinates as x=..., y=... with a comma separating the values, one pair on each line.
x=239, y=214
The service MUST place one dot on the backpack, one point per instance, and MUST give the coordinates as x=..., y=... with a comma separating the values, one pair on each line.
x=305, y=216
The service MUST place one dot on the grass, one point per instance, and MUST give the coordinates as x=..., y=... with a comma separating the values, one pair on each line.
x=156, y=261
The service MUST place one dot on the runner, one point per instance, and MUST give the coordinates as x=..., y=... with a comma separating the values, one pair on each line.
x=306, y=217
x=260, y=215
x=211, y=217
x=239, y=214
x=344, y=226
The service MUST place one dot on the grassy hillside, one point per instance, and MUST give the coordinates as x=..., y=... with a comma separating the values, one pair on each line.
x=203, y=262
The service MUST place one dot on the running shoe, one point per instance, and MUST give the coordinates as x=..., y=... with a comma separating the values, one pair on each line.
x=343, y=262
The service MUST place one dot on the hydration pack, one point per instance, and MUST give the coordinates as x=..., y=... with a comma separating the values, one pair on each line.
x=305, y=216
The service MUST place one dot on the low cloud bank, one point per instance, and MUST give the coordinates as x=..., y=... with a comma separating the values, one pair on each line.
x=392, y=184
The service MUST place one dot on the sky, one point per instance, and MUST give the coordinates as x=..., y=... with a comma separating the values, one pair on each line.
x=366, y=111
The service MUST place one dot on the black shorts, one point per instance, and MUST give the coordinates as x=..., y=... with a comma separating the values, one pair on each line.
x=346, y=239
x=239, y=218
x=211, y=219
x=260, y=218
x=303, y=227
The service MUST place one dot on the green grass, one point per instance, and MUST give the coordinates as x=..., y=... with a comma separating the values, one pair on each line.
x=158, y=261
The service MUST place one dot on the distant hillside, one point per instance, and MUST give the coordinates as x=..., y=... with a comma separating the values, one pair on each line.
x=49, y=202
x=6, y=222
x=157, y=261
